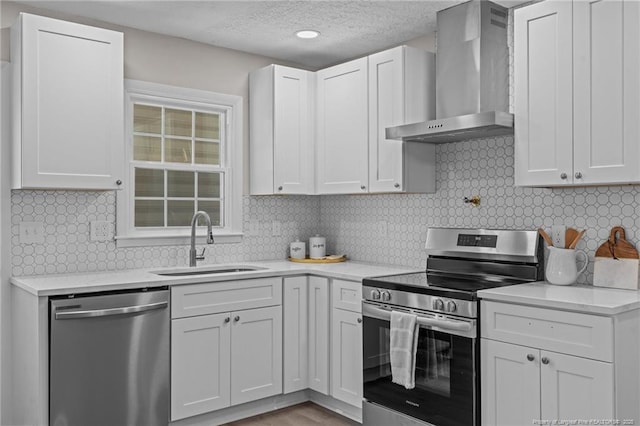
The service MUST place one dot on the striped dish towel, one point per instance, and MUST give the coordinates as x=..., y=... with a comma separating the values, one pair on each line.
x=404, y=339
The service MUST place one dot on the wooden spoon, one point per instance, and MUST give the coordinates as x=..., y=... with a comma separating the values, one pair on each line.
x=545, y=237
x=569, y=237
x=574, y=243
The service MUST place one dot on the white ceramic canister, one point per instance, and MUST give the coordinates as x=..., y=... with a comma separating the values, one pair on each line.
x=297, y=249
x=317, y=247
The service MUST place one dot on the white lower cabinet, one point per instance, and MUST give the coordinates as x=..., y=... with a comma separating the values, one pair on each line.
x=319, y=334
x=346, y=356
x=543, y=365
x=223, y=359
x=346, y=341
x=522, y=385
x=295, y=334
x=306, y=334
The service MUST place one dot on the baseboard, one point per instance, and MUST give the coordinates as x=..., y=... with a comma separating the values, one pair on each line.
x=342, y=408
x=272, y=403
x=243, y=411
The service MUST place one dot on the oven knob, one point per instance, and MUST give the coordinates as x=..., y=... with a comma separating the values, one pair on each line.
x=375, y=294
x=451, y=306
x=438, y=305
x=386, y=296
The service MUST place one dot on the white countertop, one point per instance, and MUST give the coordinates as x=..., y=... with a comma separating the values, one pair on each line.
x=580, y=298
x=50, y=285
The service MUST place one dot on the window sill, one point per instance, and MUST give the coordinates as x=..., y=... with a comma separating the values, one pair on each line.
x=173, y=240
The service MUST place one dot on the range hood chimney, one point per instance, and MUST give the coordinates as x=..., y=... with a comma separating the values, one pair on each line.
x=472, y=77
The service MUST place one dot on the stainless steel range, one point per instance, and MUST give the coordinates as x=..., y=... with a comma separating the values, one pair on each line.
x=460, y=262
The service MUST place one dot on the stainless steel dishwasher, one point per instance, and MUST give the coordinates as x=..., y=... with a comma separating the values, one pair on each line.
x=109, y=359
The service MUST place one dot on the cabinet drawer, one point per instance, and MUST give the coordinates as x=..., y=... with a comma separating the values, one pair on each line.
x=224, y=296
x=583, y=335
x=347, y=295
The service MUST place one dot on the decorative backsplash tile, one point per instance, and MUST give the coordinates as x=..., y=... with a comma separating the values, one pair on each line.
x=386, y=228
x=67, y=217
x=391, y=228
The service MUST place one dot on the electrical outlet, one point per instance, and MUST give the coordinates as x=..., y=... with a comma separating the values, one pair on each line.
x=276, y=228
x=557, y=235
x=31, y=232
x=101, y=230
x=382, y=228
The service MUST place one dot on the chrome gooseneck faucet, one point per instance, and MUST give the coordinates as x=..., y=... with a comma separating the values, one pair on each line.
x=193, y=256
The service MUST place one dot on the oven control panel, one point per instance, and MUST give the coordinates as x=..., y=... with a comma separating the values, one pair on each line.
x=465, y=308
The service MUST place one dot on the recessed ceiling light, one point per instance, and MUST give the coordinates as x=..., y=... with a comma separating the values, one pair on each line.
x=307, y=34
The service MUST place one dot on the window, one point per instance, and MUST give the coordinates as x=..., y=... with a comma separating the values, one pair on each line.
x=184, y=153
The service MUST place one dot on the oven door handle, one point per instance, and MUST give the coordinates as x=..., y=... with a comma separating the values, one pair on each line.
x=445, y=324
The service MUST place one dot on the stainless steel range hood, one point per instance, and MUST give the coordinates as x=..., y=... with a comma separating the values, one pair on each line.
x=472, y=77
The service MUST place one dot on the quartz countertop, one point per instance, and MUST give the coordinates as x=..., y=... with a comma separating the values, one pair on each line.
x=579, y=298
x=51, y=285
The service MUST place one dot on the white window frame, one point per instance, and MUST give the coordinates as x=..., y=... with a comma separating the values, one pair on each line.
x=185, y=98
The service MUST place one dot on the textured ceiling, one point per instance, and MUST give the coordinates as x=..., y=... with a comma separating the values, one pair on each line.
x=348, y=28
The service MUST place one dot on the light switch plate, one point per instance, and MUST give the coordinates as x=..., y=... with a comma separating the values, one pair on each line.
x=101, y=230
x=31, y=232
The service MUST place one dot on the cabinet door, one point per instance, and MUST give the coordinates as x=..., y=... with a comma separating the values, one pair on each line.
x=256, y=354
x=292, y=132
x=510, y=380
x=295, y=352
x=346, y=356
x=386, y=108
x=543, y=94
x=576, y=388
x=606, y=91
x=71, y=108
x=200, y=361
x=342, y=128
x=319, y=334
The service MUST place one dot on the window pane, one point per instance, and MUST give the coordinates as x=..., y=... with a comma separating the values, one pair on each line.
x=209, y=185
x=207, y=153
x=180, y=184
x=179, y=213
x=213, y=209
x=147, y=148
x=147, y=119
x=177, y=122
x=177, y=151
x=207, y=125
x=149, y=213
x=149, y=183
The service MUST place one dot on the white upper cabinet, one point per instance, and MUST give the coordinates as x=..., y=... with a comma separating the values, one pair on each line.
x=606, y=90
x=281, y=131
x=577, y=94
x=342, y=129
x=67, y=105
x=401, y=91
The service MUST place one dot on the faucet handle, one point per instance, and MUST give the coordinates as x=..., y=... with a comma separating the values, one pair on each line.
x=201, y=255
x=210, y=238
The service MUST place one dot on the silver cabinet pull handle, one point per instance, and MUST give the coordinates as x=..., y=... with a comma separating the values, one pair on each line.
x=397, y=185
x=280, y=188
x=237, y=318
x=363, y=187
x=227, y=319
x=530, y=357
x=111, y=311
x=545, y=360
x=578, y=175
x=563, y=176
x=359, y=320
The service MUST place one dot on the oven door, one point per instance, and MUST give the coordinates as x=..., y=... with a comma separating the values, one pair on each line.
x=445, y=392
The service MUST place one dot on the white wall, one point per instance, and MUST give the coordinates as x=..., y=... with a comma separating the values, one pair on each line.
x=5, y=266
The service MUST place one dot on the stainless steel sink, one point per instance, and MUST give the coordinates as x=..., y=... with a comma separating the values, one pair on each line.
x=219, y=269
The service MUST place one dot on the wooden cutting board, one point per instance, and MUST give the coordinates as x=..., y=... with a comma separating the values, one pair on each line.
x=334, y=258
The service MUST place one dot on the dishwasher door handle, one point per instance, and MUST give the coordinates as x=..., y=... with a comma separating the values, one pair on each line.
x=111, y=311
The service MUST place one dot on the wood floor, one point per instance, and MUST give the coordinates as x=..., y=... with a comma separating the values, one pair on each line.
x=306, y=414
